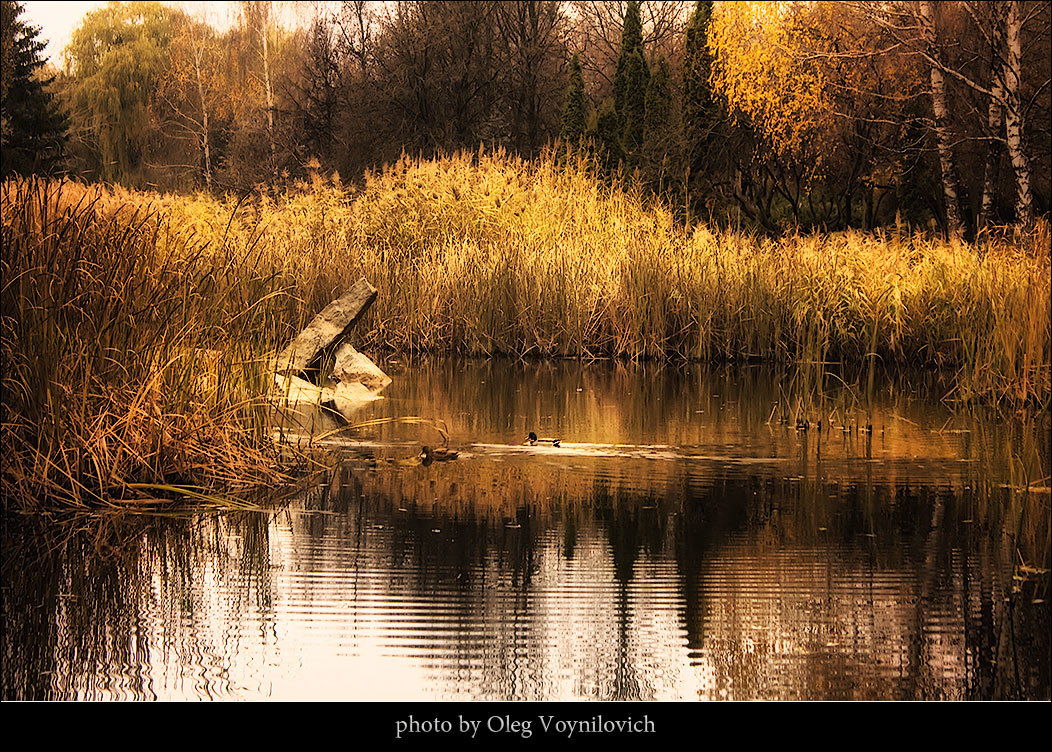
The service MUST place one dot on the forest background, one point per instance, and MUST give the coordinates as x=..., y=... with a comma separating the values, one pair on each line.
x=821, y=115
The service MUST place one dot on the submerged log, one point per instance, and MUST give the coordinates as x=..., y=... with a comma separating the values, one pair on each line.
x=333, y=323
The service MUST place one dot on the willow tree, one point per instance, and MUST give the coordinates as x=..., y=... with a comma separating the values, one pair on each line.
x=770, y=83
x=116, y=60
x=827, y=101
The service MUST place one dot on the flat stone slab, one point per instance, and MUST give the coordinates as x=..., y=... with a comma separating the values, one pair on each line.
x=327, y=327
x=355, y=379
x=350, y=366
x=346, y=397
x=293, y=390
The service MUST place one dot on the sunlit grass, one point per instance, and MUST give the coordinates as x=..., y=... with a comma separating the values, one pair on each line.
x=487, y=254
x=128, y=380
x=135, y=325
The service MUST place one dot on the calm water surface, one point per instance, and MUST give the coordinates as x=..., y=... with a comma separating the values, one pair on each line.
x=681, y=543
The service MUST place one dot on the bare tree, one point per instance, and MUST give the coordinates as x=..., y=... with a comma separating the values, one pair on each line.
x=357, y=24
x=1001, y=27
x=315, y=95
x=988, y=18
x=533, y=46
x=943, y=133
x=258, y=17
x=437, y=82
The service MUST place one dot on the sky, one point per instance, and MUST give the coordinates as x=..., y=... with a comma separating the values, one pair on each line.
x=57, y=21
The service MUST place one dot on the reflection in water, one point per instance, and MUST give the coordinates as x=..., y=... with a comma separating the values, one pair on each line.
x=680, y=544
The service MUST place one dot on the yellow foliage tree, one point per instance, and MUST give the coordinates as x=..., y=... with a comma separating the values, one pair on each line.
x=766, y=74
x=825, y=89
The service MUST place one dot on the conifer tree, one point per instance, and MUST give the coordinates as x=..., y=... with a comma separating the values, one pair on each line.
x=573, y=120
x=631, y=39
x=700, y=112
x=32, y=128
x=630, y=83
x=658, y=104
x=661, y=150
x=607, y=138
x=633, y=112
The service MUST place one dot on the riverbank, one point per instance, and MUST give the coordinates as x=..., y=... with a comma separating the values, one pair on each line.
x=136, y=326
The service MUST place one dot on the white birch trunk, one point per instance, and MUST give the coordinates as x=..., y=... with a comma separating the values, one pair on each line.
x=1024, y=212
x=943, y=133
x=994, y=119
x=993, y=152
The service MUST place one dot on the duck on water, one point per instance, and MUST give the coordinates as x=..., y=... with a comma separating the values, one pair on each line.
x=438, y=454
x=532, y=440
x=441, y=454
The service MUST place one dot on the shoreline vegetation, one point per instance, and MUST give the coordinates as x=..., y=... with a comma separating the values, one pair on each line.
x=137, y=326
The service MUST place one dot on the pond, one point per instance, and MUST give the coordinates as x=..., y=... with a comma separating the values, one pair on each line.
x=687, y=539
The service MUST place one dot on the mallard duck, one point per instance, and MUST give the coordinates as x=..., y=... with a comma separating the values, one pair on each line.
x=439, y=454
x=532, y=440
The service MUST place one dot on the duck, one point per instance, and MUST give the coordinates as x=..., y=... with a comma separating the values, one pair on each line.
x=438, y=454
x=532, y=440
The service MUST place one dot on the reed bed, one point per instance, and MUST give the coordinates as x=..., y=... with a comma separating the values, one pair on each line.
x=127, y=382
x=485, y=254
x=136, y=325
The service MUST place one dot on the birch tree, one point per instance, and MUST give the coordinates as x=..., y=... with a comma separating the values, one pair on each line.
x=1014, y=114
x=941, y=111
x=993, y=26
x=191, y=87
x=1002, y=27
x=257, y=16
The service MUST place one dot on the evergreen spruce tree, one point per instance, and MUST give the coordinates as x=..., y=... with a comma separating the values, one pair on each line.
x=659, y=151
x=32, y=129
x=631, y=39
x=658, y=104
x=633, y=105
x=700, y=111
x=607, y=138
x=573, y=120
x=630, y=85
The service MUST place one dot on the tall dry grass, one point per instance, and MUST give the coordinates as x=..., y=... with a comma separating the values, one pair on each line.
x=486, y=254
x=127, y=381
x=135, y=325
